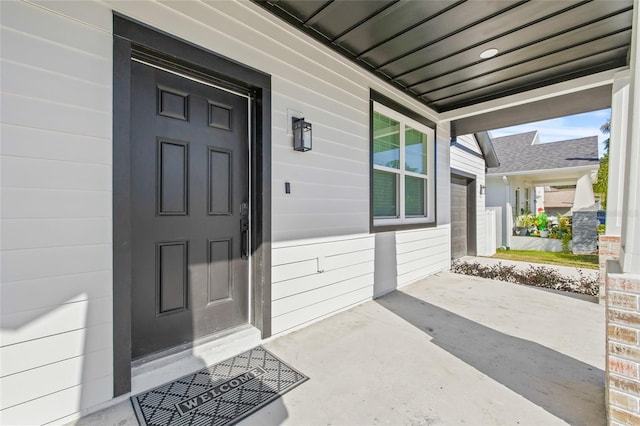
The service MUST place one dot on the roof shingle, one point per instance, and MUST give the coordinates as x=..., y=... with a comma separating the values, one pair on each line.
x=518, y=153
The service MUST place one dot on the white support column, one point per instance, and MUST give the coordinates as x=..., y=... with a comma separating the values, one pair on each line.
x=617, y=150
x=630, y=241
x=583, y=197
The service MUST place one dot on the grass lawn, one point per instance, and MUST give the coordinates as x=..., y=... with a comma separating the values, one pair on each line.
x=586, y=261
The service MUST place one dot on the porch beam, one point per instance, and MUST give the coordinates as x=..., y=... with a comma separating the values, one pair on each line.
x=592, y=99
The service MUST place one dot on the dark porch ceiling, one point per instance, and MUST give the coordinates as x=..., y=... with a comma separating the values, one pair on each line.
x=431, y=48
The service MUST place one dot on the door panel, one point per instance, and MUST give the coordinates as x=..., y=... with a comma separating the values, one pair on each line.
x=190, y=163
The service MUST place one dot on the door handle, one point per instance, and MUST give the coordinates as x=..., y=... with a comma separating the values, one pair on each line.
x=244, y=230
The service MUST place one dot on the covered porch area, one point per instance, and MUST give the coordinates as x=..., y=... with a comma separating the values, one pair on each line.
x=448, y=349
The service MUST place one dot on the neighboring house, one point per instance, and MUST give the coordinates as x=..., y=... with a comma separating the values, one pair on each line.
x=526, y=164
x=558, y=201
x=152, y=200
x=472, y=226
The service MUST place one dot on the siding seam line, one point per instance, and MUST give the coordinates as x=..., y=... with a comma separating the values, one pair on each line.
x=56, y=73
x=66, y=47
x=102, y=139
x=324, y=286
x=321, y=301
x=57, y=160
x=54, y=103
x=52, y=335
x=83, y=355
x=57, y=276
x=55, y=392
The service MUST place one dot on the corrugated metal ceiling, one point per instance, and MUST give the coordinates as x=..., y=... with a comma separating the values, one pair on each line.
x=431, y=49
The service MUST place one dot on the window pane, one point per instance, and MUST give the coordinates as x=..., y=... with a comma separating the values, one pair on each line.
x=415, y=151
x=386, y=141
x=385, y=198
x=414, y=196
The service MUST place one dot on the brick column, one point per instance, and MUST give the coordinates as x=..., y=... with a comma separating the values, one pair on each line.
x=623, y=347
x=609, y=249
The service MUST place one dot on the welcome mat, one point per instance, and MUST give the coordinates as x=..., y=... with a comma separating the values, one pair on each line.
x=222, y=394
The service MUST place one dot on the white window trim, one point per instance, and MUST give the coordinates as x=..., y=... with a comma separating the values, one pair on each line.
x=429, y=177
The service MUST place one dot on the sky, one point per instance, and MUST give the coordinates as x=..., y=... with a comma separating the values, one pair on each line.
x=559, y=129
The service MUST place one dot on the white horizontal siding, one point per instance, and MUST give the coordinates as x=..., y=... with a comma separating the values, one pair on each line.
x=469, y=141
x=302, y=293
x=65, y=374
x=47, y=322
x=49, y=56
x=467, y=162
x=48, y=145
x=23, y=172
x=60, y=404
x=19, y=234
x=56, y=321
x=36, y=353
x=27, y=295
x=421, y=253
x=29, y=264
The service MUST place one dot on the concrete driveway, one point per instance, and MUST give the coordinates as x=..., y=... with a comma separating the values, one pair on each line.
x=449, y=349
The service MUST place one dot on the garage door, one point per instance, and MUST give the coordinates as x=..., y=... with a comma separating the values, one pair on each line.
x=458, y=217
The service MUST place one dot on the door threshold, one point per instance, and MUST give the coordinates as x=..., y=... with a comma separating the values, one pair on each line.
x=162, y=367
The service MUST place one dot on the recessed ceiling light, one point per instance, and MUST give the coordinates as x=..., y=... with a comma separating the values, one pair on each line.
x=489, y=53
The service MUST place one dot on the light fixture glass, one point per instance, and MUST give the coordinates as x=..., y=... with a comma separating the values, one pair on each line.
x=301, y=134
x=489, y=53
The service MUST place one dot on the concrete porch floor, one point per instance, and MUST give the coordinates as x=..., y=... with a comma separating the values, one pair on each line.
x=449, y=349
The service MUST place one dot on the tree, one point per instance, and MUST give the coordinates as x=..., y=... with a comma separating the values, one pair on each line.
x=606, y=130
x=600, y=187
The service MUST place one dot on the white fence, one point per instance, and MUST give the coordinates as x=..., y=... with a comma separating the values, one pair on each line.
x=491, y=232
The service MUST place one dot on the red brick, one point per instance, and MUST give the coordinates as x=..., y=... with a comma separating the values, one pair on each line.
x=619, y=283
x=624, y=417
x=623, y=317
x=610, y=238
x=624, y=384
x=623, y=300
x=622, y=334
x=627, y=402
x=623, y=367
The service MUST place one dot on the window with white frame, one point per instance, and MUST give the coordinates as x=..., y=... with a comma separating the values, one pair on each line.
x=403, y=184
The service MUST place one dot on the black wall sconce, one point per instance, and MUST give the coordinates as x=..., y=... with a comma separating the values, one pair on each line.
x=483, y=189
x=301, y=134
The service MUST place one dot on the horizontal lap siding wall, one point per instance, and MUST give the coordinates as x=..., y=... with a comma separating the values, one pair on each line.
x=467, y=162
x=314, y=278
x=56, y=301
x=56, y=185
x=421, y=253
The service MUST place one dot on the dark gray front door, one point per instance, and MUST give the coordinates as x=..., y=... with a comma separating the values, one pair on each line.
x=458, y=218
x=189, y=195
